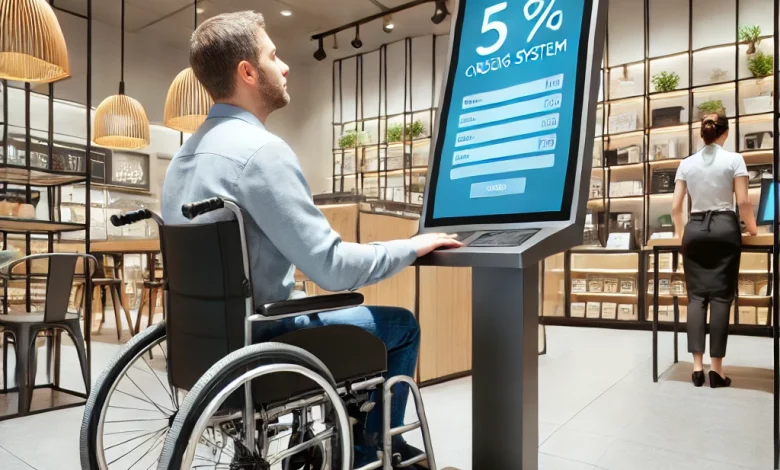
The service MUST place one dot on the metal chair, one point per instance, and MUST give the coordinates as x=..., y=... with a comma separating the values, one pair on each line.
x=26, y=327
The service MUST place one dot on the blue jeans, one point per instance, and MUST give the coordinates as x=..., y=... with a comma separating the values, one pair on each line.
x=396, y=327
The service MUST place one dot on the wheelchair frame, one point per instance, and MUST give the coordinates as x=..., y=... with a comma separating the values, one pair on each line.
x=385, y=461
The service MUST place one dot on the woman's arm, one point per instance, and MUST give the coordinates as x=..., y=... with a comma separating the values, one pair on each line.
x=743, y=202
x=680, y=190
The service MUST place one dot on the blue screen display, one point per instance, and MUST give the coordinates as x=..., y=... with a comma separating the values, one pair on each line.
x=506, y=142
x=766, y=207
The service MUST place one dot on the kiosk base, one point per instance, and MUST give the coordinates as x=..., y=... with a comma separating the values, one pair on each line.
x=505, y=400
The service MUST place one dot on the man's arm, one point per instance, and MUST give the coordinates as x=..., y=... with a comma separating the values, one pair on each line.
x=274, y=193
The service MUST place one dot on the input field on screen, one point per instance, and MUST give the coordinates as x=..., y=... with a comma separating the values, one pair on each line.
x=512, y=129
x=522, y=90
x=511, y=111
x=504, y=166
x=506, y=149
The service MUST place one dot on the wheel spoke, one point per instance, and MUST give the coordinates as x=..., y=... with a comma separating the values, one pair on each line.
x=158, y=378
x=132, y=409
x=134, y=448
x=145, y=401
x=159, y=407
x=136, y=437
x=154, y=445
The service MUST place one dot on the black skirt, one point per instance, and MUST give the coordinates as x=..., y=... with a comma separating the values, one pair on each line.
x=711, y=249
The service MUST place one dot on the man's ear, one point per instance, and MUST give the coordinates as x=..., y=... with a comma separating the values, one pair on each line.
x=247, y=73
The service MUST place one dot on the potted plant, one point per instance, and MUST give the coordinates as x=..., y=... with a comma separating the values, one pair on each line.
x=665, y=82
x=414, y=129
x=750, y=35
x=711, y=107
x=761, y=64
x=395, y=133
x=352, y=139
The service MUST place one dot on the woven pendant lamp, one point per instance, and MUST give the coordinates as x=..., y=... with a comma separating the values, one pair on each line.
x=188, y=102
x=120, y=121
x=32, y=48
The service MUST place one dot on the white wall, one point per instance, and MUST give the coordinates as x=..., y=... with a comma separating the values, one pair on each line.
x=150, y=67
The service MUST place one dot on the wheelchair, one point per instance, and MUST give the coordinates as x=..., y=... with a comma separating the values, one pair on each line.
x=193, y=391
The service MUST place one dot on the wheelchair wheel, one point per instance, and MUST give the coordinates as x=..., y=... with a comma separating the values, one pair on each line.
x=131, y=407
x=205, y=434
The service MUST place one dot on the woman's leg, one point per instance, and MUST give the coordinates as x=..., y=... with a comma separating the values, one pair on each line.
x=719, y=331
x=697, y=329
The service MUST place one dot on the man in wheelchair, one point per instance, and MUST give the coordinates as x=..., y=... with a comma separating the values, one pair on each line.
x=233, y=156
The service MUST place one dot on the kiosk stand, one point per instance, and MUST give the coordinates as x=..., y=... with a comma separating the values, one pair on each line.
x=509, y=172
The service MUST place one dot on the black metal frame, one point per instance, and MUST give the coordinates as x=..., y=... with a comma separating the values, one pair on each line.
x=382, y=172
x=51, y=199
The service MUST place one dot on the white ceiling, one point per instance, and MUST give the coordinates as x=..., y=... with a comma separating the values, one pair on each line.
x=172, y=21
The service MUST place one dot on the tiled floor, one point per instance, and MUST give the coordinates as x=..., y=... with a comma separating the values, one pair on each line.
x=599, y=409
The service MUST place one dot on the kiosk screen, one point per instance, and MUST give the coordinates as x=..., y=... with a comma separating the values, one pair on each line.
x=508, y=136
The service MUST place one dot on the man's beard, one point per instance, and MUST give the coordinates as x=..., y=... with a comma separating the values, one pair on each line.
x=272, y=97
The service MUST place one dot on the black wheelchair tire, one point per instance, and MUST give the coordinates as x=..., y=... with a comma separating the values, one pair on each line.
x=217, y=377
x=97, y=398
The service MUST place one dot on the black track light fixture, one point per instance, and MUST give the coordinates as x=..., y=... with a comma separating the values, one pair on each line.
x=357, y=43
x=441, y=12
x=320, y=54
x=387, y=24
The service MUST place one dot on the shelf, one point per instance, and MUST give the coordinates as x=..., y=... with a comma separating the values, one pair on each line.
x=38, y=177
x=755, y=157
x=626, y=198
x=626, y=167
x=627, y=99
x=667, y=95
x=627, y=134
x=758, y=117
x=597, y=296
x=666, y=163
x=605, y=271
x=669, y=129
x=714, y=87
x=15, y=225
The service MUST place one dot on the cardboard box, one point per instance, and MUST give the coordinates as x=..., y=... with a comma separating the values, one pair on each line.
x=747, y=315
x=593, y=310
x=609, y=311
x=578, y=309
x=579, y=285
x=762, y=315
x=626, y=312
x=595, y=284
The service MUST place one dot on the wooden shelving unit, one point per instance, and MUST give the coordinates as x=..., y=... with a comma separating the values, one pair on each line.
x=634, y=142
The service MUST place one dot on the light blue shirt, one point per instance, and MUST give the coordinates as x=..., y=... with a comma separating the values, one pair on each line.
x=233, y=156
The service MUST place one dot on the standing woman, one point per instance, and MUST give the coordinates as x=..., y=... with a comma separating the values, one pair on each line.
x=711, y=241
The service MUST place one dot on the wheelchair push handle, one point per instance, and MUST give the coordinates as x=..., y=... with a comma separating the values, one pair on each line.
x=131, y=217
x=195, y=209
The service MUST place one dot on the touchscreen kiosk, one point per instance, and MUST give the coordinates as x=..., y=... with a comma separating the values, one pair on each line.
x=509, y=172
x=766, y=203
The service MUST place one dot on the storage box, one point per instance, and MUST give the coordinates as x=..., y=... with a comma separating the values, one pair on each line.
x=746, y=287
x=611, y=285
x=664, y=287
x=579, y=285
x=609, y=311
x=762, y=315
x=593, y=310
x=627, y=285
x=747, y=315
x=578, y=309
x=595, y=284
x=677, y=285
x=757, y=104
x=761, y=287
x=627, y=312
x=669, y=116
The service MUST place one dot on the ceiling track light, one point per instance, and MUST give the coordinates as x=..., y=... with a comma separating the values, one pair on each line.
x=440, y=13
x=357, y=43
x=387, y=24
x=320, y=53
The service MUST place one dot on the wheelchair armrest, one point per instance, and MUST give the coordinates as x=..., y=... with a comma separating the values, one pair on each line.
x=318, y=303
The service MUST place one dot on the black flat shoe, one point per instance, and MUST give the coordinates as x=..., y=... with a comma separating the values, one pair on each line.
x=698, y=378
x=716, y=381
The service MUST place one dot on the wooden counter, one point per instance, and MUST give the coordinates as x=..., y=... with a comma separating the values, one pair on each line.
x=440, y=298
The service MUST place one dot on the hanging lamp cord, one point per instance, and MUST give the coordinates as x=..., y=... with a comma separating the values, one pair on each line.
x=196, y=15
x=122, y=66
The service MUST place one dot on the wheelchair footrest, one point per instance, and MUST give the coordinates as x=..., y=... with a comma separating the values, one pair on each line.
x=373, y=465
x=404, y=429
x=412, y=461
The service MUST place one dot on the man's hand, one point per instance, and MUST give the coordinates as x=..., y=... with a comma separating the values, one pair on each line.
x=430, y=241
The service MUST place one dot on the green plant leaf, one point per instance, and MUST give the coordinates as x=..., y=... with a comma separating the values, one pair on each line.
x=666, y=81
x=761, y=64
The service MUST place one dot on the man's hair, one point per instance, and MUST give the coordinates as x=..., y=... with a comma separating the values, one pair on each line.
x=219, y=44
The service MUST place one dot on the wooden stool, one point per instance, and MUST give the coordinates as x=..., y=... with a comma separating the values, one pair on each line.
x=151, y=289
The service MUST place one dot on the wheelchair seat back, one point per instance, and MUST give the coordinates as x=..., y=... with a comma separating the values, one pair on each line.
x=207, y=296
